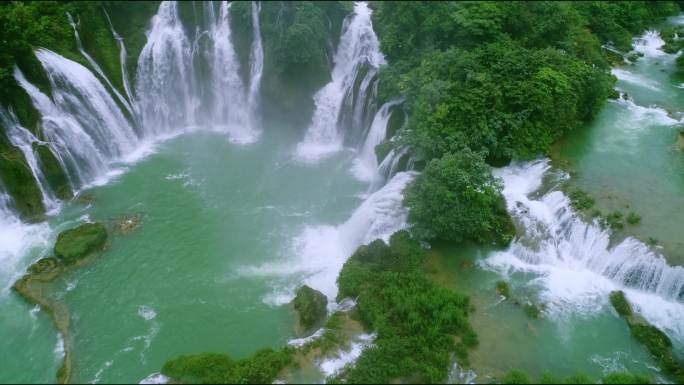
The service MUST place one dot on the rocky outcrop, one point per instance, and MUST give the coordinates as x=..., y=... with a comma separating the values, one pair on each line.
x=311, y=306
x=78, y=243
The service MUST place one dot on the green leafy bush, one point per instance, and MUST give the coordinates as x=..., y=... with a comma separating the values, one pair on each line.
x=419, y=325
x=457, y=199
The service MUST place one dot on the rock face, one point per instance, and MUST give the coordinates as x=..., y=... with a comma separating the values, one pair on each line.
x=20, y=184
x=75, y=244
x=311, y=306
x=53, y=172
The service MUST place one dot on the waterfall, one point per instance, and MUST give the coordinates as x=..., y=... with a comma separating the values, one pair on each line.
x=366, y=164
x=358, y=47
x=256, y=66
x=230, y=112
x=84, y=126
x=122, y=62
x=16, y=240
x=96, y=67
x=165, y=78
x=575, y=261
x=23, y=139
x=319, y=252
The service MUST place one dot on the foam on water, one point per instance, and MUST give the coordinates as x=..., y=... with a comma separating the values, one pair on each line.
x=358, y=47
x=17, y=239
x=147, y=313
x=155, y=378
x=632, y=78
x=650, y=44
x=331, y=366
x=573, y=262
x=316, y=255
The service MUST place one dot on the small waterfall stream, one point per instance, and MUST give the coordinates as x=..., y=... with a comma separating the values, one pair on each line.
x=256, y=66
x=23, y=139
x=122, y=60
x=366, y=166
x=96, y=67
x=358, y=47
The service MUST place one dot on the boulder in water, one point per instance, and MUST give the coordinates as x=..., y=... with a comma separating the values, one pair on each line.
x=680, y=140
x=75, y=244
x=311, y=306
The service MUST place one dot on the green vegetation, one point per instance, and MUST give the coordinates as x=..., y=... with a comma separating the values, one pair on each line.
x=520, y=377
x=296, y=37
x=620, y=303
x=503, y=289
x=311, y=306
x=653, y=339
x=419, y=325
x=614, y=220
x=581, y=201
x=54, y=174
x=75, y=244
x=625, y=378
x=457, y=199
x=503, y=79
x=633, y=218
x=16, y=177
x=216, y=368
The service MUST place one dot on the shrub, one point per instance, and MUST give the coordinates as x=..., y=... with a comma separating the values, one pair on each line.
x=457, y=199
x=633, y=218
x=218, y=368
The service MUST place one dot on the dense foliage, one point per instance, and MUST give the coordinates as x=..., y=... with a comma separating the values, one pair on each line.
x=519, y=377
x=217, y=368
x=456, y=198
x=505, y=79
x=419, y=325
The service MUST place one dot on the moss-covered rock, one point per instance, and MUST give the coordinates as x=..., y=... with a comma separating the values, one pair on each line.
x=396, y=121
x=620, y=303
x=311, y=306
x=18, y=179
x=52, y=169
x=382, y=149
x=75, y=244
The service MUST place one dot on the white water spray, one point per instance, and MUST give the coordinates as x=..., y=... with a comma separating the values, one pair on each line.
x=256, y=66
x=366, y=165
x=165, y=79
x=358, y=47
x=319, y=252
x=23, y=139
x=230, y=112
x=576, y=264
x=83, y=125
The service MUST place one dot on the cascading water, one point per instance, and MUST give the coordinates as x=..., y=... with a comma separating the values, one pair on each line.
x=96, y=67
x=23, y=139
x=16, y=239
x=83, y=126
x=358, y=47
x=320, y=251
x=575, y=262
x=256, y=66
x=165, y=77
x=122, y=61
x=229, y=111
x=366, y=165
